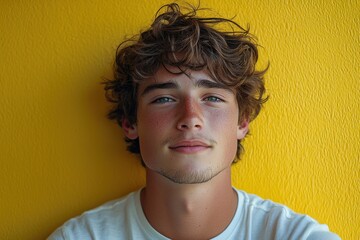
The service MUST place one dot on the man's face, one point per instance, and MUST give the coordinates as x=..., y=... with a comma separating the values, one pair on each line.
x=187, y=126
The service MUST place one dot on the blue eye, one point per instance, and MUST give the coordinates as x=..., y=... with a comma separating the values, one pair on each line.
x=163, y=100
x=213, y=99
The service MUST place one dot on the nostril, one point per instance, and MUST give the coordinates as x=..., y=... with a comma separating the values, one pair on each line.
x=189, y=126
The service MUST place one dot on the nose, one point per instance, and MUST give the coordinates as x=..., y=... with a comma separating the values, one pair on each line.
x=190, y=115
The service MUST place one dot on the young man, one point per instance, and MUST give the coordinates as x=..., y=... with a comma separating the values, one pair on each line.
x=184, y=93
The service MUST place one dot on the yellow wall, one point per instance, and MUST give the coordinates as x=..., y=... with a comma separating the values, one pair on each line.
x=60, y=155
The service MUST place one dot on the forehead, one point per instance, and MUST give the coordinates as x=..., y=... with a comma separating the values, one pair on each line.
x=171, y=73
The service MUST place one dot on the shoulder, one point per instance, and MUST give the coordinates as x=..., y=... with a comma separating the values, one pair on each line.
x=266, y=217
x=266, y=208
x=90, y=224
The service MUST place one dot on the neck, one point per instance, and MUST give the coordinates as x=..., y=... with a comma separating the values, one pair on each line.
x=189, y=211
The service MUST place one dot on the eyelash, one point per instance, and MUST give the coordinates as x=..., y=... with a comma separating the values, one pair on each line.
x=163, y=100
x=217, y=99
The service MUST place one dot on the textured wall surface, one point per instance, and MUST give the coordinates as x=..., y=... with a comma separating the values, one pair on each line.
x=60, y=156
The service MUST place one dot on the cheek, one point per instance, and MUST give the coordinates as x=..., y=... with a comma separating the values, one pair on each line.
x=153, y=132
x=152, y=129
x=225, y=124
x=153, y=122
x=226, y=121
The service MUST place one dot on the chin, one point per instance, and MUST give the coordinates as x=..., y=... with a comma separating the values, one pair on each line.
x=190, y=176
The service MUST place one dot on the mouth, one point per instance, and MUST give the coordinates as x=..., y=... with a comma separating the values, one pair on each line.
x=190, y=146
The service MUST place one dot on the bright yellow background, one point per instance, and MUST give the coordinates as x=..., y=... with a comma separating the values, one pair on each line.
x=61, y=156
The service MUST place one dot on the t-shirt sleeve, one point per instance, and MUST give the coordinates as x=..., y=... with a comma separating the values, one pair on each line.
x=323, y=236
x=57, y=235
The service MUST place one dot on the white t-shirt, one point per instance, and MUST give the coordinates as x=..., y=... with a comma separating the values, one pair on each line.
x=255, y=218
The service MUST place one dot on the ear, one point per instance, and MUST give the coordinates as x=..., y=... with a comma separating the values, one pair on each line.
x=243, y=129
x=130, y=130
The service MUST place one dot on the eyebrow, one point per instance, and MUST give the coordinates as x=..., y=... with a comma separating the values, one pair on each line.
x=202, y=83
x=166, y=85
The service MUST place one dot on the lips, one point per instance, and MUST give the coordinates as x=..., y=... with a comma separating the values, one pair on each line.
x=190, y=146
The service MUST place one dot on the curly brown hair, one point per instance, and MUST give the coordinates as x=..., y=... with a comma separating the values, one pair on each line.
x=186, y=41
